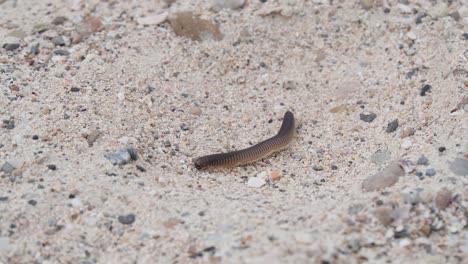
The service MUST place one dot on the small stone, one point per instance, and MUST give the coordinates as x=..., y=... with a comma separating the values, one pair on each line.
x=59, y=20
x=32, y=202
x=406, y=144
x=459, y=166
x=11, y=46
x=92, y=137
x=61, y=52
x=52, y=167
x=443, y=198
x=4, y=244
x=153, y=19
x=367, y=4
x=423, y=160
x=442, y=149
x=8, y=168
x=297, y=157
x=140, y=168
x=122, y=156
x=339, y=109
x=384, y=178
x=184, y=127
x=317, y=168
x=58, y=41
x=367, y=117
x=380, y=156
x=167, y=143
x=384, y=214
x=185, y=24
x=405, y=9
x=425, y=89
x=34, y=50
x=219, y=5
x=255, y=182
x=127, y=219
x=430, y=172
x=35, y=137
x=392, y=126
x=275, y=175
x=195, y=110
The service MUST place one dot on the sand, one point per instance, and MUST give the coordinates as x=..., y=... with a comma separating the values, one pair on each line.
x=117, y=80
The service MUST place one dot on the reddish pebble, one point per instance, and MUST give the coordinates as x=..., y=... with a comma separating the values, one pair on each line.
x=275, y=175
x=14, y=88
x=195, y=111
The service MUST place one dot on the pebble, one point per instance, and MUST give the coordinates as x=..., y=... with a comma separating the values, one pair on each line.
x=367, y=4
x=122, y=156
x=255, y=182
x=442, y=149
x=317, y=168
x=59, y=20
x=7, y=168
x=184, y=127
x=297, y=157
x=4, y=244
x=11, y=46
x=404, y=8
x=61, y=52
x=8, y=123
x=32, y=202
x=384, y=214
x=127, y=219
x=426, y=88
x=367, y=117
x=443, y=198
x=185, y=24
x=194, y=110
x=423, y=160
x=430, y=172
x=52, y=167
x=275, y=175
x=392, y=126
x=380, y=156
x=58, y=41
x=459, y=166
x=153, y=19
x=34, y=50
x=384, y=178
x=402, y=213
x=218, y=5
x=406, y=144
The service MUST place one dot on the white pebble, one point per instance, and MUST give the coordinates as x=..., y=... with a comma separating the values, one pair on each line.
x=256, y=182
x=407, y=143
x=153, y=19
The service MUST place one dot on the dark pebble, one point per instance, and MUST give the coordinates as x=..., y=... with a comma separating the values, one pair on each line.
x=465, y=35
x=11, y=46
x=71, y=196
x=333, y=167
x=35, y=50
x=423, y=160
x=425, y=89
x=61, y=52
x=35, y=137
x=386, y=10
x=367, y=117
x=52, y=167
x=58, y=41
x=127, y=219
x=1, y=145
x=133, y=153
x=184, y=127
x=263, y=1
x=140, y=168
x=7, y=168
x=167, y=143
x=59, y=20
x=75, y=89
x=32, y=202
x=442, y=149
x=3, y=198
x=419, y=174
x=430, y=172
x=317, y=168
x=9, y=124
x=392, y=126
x=403, y=233
x=210, y=249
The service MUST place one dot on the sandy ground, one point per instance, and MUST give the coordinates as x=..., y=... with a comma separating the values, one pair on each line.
x=114, y=74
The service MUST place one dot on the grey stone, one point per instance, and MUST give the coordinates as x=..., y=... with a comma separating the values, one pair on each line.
x=423, y=160
x=459, y=166
x=11, y=46
x=367, y=117
x=384, y=178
